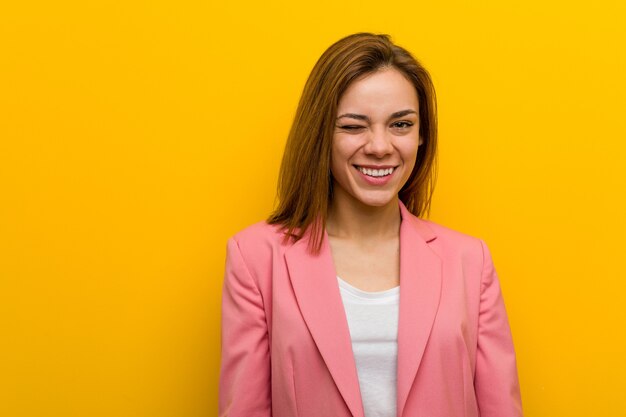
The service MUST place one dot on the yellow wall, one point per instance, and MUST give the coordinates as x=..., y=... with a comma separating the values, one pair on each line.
x=135, y=137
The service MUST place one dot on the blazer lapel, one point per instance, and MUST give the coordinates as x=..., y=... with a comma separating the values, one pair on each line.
x=420, y=291
x=316, y=288
x=314, y=281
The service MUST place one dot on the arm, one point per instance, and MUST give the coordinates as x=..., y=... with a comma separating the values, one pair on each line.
x=245, y=384
x=496, y=381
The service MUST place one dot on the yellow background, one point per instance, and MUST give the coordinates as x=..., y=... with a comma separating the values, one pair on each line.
x=136, y=137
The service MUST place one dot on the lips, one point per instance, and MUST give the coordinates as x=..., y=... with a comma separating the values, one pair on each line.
x=376, y=171
x=376, y=176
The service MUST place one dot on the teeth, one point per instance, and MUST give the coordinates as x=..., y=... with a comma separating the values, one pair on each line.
x=376, y=172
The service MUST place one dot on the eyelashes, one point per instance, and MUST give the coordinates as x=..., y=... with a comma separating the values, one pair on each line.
x=405, y=124
x=400, y=125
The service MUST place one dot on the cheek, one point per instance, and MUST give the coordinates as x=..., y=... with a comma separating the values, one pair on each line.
x=409, y=152
x=339, y=157
x=335, y=163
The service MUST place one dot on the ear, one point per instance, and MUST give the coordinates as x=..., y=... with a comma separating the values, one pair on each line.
x=421, y=141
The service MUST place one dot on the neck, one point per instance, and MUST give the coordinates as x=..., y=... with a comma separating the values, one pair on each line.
x=351, y=219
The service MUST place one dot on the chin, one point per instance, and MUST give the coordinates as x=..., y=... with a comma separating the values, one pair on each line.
x=378, y=201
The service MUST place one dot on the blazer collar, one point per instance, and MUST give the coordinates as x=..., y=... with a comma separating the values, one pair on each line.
x=314, y=280
x=420, y=291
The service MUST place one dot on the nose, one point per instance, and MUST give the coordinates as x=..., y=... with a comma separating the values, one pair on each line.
x=379, y=142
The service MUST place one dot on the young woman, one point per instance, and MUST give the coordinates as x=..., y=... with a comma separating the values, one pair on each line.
x=345, y=302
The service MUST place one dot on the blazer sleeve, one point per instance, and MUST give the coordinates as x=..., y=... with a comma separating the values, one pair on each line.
x=496, y=380
x=245, y=381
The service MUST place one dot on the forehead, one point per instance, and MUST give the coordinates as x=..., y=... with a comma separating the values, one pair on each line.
x=383, y=91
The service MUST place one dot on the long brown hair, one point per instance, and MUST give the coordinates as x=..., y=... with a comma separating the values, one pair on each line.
x=305, y=185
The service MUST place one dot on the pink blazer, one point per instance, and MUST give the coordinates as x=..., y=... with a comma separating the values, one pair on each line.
x=285, y=343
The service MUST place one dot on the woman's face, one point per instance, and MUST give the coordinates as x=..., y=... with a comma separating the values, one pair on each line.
x=375, y=139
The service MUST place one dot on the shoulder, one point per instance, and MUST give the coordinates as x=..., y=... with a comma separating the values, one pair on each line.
x=259, y=241
x=447, y=233
x=258, y=233
x=451, y=242
x=460, y=251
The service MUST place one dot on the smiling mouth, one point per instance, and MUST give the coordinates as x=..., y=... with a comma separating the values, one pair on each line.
x=376, y=173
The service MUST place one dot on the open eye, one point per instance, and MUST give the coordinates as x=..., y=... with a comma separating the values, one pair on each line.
x=404, y=124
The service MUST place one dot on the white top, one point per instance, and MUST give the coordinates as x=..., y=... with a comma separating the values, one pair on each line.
x=373, y=322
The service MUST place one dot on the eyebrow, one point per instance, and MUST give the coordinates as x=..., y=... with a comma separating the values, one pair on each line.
x=367, y=119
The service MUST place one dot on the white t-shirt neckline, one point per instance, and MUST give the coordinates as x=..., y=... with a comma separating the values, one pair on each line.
x=385, y=295
x=373, y=323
